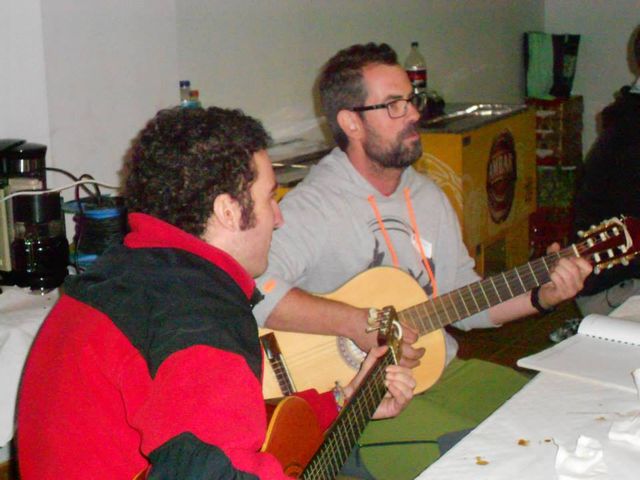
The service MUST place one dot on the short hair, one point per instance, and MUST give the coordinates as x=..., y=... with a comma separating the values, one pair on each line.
x=341, y=85
x=185, y=157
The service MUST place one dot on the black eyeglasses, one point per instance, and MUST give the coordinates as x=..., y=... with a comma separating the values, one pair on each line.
x=396, y=108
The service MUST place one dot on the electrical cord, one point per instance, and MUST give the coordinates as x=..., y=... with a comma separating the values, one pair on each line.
x=60, y=189
x=72, y=177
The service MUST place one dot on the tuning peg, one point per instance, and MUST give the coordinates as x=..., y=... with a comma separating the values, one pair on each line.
x=624, y=261
x=373, y=319
x=596, y=270
x=581, y=233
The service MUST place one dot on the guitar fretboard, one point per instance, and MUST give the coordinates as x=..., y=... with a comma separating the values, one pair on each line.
x=346, y=430
x=278, y=366
x=479, y=296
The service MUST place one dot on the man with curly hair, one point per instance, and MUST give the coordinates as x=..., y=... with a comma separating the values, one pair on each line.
x=151, y=361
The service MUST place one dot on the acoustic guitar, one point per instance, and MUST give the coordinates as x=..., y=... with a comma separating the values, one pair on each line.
x=318, y=361
x=294, y=436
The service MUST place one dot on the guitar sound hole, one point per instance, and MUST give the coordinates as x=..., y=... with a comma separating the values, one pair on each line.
x=350, y=353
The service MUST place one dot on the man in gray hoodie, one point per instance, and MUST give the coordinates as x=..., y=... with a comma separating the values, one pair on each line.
x=364, y=206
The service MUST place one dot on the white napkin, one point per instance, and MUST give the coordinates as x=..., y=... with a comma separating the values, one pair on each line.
x=627, y=430
x=585, y=462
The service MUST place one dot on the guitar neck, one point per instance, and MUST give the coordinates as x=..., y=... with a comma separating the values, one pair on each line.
x=346, y=430
x=479, y=296
x=278, y=365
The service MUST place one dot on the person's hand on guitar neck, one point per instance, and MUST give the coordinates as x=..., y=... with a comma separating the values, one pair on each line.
x=567, y=279
x=398, y=380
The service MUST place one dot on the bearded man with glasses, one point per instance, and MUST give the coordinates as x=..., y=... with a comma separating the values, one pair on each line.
x=364, y=206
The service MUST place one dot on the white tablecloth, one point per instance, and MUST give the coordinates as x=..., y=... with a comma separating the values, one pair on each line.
x=21, y=314
x=519, y=440
x=550, y=410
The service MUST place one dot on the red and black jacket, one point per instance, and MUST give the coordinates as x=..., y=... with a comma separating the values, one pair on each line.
x=152, y=356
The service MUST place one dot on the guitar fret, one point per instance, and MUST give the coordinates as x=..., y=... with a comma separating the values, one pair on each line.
x=524, y=289
x=435, y=317
x=454, y=305
x=416, y=318
x=342, y=447
x=464, y=303
x=484, y=293
x=495, y=288
x=446, y=311
x=507, y=284
x=534, y=275
x=473, y=297
x=514, y=283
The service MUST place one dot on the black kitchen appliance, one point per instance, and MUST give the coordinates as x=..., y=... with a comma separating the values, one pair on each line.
x=34, y=251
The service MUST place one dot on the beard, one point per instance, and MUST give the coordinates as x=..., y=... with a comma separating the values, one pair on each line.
x=397, y=154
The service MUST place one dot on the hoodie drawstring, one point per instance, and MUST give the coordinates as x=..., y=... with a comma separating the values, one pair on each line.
x=416, y=234
x=387, y=239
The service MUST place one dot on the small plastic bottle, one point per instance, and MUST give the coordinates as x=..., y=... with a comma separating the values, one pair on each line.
x=194, y=99
x=416, y=68
x=185, y=92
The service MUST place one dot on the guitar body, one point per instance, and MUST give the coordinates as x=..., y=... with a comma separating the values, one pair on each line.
x=318, y=361
x=293, y=435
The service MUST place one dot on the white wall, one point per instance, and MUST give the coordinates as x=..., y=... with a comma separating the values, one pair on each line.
x=110, y=65
x=83, y=77
x=265, y=56
x=23, y=91
x=602, y=68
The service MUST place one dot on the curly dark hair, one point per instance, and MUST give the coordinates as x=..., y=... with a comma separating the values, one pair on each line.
x=341, y=86
x=185, y=157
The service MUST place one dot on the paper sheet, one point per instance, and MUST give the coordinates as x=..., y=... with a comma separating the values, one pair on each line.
x=605, y=350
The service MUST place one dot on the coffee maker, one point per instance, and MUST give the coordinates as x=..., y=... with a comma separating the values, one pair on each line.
x=34, y=251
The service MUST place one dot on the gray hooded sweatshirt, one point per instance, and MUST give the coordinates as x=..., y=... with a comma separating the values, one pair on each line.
x=336, y=225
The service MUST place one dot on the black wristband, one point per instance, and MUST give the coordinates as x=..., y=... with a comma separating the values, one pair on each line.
x=535, y=301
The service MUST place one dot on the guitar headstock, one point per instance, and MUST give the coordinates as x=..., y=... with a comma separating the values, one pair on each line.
x=270, y=345
x=612, y=242
x=389, y=329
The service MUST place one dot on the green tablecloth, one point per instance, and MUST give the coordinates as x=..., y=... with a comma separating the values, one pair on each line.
x=468, y=392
